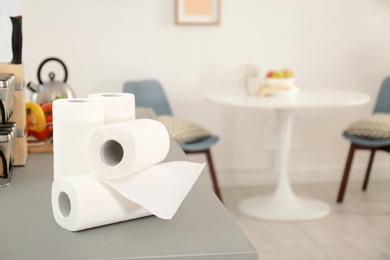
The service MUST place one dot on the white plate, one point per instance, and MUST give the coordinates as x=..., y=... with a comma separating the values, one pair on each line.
x=279, y=81
x=294, y=90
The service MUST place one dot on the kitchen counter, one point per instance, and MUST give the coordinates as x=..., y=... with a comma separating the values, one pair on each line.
x=201, y=229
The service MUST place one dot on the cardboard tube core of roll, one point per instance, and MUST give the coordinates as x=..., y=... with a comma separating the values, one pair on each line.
x=64, y=204
x=111, y=152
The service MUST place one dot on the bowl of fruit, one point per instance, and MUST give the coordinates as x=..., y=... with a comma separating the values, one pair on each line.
x=280, y=78
x=39, y=123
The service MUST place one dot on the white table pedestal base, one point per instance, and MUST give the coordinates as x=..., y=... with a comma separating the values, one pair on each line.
x=298, y=209
x=284, y=205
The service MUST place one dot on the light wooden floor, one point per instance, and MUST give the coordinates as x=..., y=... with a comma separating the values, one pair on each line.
x=359, y=228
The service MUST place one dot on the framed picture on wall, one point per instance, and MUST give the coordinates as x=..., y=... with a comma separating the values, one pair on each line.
x=197, y=12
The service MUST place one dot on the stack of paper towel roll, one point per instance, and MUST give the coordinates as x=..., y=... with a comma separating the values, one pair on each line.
x=108, y=165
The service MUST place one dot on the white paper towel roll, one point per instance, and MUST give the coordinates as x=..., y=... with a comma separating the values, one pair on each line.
x=120, y=149
x=118, y=107
x=73, y=121
x=81, y=202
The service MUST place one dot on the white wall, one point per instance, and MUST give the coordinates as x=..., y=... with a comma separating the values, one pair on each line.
x=340, y=44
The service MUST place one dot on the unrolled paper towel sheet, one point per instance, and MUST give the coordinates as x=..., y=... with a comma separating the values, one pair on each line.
x=82, y=202
x=120, y=149
x=73, y=121
x=160, y=188
x=118, y=107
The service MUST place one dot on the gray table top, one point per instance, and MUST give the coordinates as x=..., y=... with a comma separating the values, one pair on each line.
x=201, y=229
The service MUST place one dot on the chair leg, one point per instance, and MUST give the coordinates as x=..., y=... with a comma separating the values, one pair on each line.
x=213, y=175
x=347, y=169
x=368, y=171
x=212, y=171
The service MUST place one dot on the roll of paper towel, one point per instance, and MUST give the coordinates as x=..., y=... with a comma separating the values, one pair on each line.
x=82, y=202
x=118, y=107
x=120, y=149
x=73, y=121
x=127, y=157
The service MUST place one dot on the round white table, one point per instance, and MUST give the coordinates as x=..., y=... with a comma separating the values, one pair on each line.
x=284, y=204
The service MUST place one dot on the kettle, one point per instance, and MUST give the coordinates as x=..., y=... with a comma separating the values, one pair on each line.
x=51, y=90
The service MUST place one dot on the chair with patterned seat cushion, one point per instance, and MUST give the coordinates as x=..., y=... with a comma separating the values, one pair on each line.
x=370, y=133
x=191, y=137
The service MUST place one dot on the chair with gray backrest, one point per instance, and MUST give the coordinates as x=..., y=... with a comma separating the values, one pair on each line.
x=359, y=143
x=150, y=93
